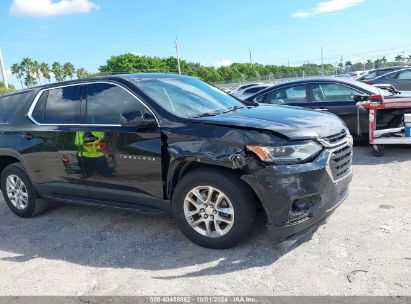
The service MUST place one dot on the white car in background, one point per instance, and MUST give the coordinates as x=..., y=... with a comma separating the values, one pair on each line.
x=240, y=89
x=355, y=74
x=243, y=94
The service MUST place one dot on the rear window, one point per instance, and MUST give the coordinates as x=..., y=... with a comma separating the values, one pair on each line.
x=8, y=106
x=59, y=106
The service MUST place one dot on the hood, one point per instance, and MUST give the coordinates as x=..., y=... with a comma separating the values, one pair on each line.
x=292, y=122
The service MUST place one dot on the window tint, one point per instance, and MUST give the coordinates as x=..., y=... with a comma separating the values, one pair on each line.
x=371, y=75
x=260, y=98
x=39, y=110
x=106, y=103
x=383, y=72
x=333, y=92
x=59, y=106
x=7, y=107
x=391, y=76
x=295, y=94
x=405, y=75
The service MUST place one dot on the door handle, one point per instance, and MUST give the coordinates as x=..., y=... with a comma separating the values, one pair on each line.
x=28, y=136
x=322, y=109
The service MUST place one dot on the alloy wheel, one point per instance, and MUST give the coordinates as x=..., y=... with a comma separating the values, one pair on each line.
x=17, y=192
x=209, y=211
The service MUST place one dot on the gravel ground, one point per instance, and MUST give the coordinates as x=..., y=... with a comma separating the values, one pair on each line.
x=363, y=249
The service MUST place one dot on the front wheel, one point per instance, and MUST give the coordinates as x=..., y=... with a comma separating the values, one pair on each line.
x=213, y=208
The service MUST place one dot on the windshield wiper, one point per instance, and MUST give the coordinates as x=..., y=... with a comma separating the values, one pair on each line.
x=232, y=109
x=207, y=114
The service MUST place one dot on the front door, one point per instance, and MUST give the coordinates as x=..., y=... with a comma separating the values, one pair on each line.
x=119, y=164
x=339, y=99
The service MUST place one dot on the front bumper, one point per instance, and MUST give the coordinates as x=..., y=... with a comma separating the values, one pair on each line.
x=297, y=198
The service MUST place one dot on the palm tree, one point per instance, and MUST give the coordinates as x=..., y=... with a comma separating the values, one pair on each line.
x=17, y=69
x=69, y=70
x=45, y=71
x=409, y=58
x=384, y=60
x=82, y=73
x=37, y=71
x=27, y=65
x=399, y=58
x=348, y=64
x=57, y=70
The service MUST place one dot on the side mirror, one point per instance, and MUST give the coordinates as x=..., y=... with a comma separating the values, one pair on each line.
x=359, y=98
x=137, y=119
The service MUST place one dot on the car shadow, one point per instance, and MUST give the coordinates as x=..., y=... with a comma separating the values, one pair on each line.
x=393, y=154
x=113, y=239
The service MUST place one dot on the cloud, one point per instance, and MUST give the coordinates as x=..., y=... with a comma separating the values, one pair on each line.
x=326, y=7
x=48, y=8
x=223, y=62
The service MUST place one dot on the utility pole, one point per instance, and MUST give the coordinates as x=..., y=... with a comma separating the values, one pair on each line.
x=322, y=61
x=251, y=56
x=178, y=58
x=3, y=71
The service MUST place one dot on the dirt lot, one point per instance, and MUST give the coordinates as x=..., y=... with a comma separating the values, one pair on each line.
x=364, y=249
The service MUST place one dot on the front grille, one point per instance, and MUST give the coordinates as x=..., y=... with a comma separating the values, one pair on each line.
x=335, y=138
x=340, y=162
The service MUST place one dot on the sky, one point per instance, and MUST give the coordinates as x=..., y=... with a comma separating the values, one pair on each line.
x=210, y=32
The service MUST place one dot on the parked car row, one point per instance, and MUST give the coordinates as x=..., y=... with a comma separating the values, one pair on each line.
x=331, y=94
x=170, y=144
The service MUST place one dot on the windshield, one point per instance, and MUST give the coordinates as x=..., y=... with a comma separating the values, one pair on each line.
x=187, y=97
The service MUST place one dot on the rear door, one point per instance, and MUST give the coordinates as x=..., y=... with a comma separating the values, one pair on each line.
x=403, y=81
x=338, y=98
x=54, y=161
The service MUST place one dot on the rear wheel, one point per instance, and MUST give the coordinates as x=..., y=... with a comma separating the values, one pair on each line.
x=19, y=193
x=213, y=208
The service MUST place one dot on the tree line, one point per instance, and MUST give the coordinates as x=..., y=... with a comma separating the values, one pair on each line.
x=30, y=72
x=238, y=72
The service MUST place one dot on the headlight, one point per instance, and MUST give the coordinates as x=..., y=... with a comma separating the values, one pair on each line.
x=289, y=154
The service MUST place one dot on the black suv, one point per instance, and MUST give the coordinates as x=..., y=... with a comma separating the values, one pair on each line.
x=168, y=144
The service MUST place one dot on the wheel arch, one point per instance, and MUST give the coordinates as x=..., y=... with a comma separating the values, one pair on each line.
x=185, y=167
x=8, y=157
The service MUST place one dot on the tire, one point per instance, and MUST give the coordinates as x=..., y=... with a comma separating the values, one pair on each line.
x=29, y=204
x=378, y=151
x=230, y=211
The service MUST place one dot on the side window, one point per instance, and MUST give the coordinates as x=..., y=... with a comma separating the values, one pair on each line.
x=391, y=76
x=40, y=109
x=405, y=75
x=59, y=106
x=371, y=75
x=295, y=94
x=261, y=98
x=333, y=92
x=106, y=103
